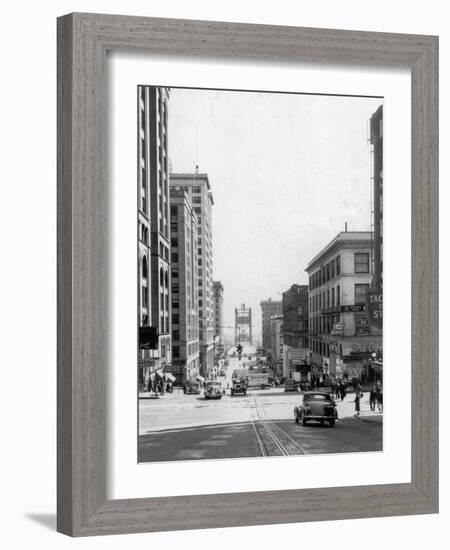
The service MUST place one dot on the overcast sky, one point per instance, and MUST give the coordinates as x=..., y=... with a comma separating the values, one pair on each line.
x=286, y=171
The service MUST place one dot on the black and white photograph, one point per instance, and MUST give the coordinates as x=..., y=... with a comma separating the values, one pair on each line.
x=260, y=274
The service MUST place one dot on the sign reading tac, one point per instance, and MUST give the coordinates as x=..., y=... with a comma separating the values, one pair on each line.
x=375, y=303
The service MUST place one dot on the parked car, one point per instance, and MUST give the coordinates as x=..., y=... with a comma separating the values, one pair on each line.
x=192, y=388
x=318, y=406
x=290, y=385
x=213, y=390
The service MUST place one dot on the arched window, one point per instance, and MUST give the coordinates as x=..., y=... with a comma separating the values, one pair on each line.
x=161, y=277
x=167, y=279
x=144, y=268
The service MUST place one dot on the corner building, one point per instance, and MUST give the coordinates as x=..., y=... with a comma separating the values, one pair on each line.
x=199, y=190
x=339, y=279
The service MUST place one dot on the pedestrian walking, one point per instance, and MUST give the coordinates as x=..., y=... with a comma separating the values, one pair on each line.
x=358, y=395
x=343, y=391
x=379, y=395
x=372, y=398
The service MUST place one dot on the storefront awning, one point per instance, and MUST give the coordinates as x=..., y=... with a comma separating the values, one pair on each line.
x=170, y=377
x=200, y=378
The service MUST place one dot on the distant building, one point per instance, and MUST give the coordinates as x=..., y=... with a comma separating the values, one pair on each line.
x=269, y=308
x=339, y=279
x=199, y=189
x=277, y=343
x=218, y=312
x=295, y=332
x=185, y=331
x=154, y=229
x=243, y=325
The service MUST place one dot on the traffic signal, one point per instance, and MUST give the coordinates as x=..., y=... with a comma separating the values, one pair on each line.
x=239, y=349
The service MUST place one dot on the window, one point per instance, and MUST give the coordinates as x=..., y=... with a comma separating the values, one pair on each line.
x=174, y=257
x=161, y=277
x=173, y=210
x=361, y=262
x=338, y=295
x=338, y=265
x=144, y=268
x=332, y=297
x=332, y=269
x=360, y=293
x=144, y=297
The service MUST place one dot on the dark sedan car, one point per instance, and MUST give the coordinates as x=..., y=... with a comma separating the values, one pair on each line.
x=318, y=406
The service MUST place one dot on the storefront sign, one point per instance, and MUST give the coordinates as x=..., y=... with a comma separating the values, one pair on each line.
x=146, y=363
x=368, y=347
x=353, y=308
x=362, y=324
x=375, y=303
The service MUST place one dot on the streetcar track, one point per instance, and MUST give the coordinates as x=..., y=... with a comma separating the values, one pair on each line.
x=271, y=437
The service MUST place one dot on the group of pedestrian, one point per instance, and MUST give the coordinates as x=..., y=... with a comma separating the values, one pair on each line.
x=376, y=397
x=338, y=389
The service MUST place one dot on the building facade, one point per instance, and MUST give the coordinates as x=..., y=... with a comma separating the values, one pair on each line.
x=375, y=294
x=199, y=190
x=339, y=279
x=295, y=332
x=277, y=344
x=154, y=229
x=269, y=308
x=218, y=311
x=243, y=325
x=184, y=287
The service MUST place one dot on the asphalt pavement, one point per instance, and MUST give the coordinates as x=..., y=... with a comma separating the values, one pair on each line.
x=188, y=427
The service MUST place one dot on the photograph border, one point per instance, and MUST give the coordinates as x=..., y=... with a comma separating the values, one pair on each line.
x=83, y=249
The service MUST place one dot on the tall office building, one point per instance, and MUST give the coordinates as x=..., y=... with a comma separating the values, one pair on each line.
x=154, y=227
x=184, y=288
x=199, y=190
x=269, y=308
x=218, y=311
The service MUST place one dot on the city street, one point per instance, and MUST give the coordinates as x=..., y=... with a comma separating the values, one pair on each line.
x=188, y=427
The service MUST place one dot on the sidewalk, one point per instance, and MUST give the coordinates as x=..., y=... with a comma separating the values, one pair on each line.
x=346, y=409
x=177, y=392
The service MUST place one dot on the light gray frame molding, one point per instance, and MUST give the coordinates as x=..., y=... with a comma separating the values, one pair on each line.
x=83, y=40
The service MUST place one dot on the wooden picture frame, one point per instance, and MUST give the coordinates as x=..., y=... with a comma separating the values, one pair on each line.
x=83, y=41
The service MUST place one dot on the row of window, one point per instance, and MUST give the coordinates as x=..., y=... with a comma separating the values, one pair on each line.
x=329, y=298
x=323, y=324
x=333, y=269
x=332, y=297
x=327, y=272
